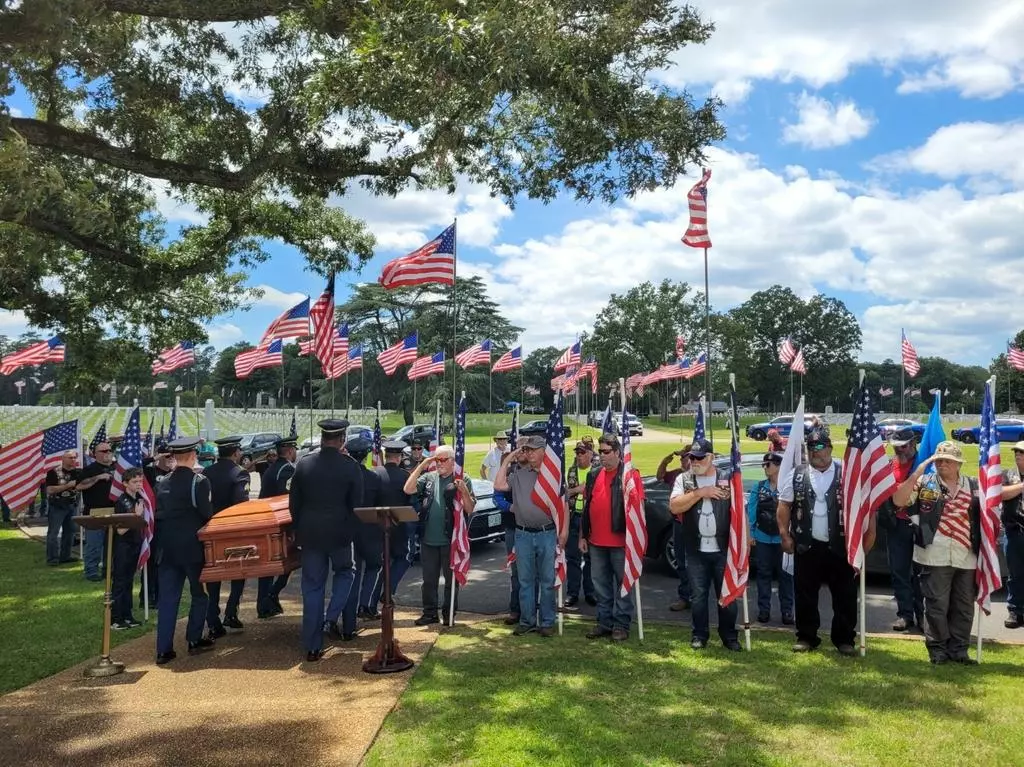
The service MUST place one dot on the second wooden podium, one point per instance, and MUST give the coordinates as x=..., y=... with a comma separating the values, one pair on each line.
x=388, y=657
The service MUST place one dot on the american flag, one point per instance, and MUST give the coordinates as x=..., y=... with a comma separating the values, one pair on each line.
x=636, y=524
x=531, y=390
x=460, y=528
x=1015, y=356
x=37, y=354
x=430, y=365
x=24, y=462
x=179, y=356
x=293, y=430
x=510, y=360
x=698, y=424
x=260, y=357
x=378, y=441
x=402, y=352
x=990, y=483
x=292, y=324
x=737, y=558
x=633, y=383
x=147, y=441
x=558, y=382
x=434, y=262
x=699, y=365
x=606, y=420
x=911, y=365
x=321, y=318
x=347, y=362
x=885, y=391
x=868, y=479
x=798, y=365
x=129, y=456
x=159, y=385
x=99, y=436
x=680, y=347
x=513, y=433
x=570, y=356
x=589, y=369
x=787, y=351
x=172, y=430
x=684, y=369
x=549, y=489
x=48, y=385
x=475, y=355
x=697, y=233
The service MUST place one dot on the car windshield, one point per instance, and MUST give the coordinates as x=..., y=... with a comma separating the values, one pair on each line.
x=402, y=433
x=247, y=439
x=784, y=419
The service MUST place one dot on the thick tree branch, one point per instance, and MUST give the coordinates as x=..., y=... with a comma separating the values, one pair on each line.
x=216, y=10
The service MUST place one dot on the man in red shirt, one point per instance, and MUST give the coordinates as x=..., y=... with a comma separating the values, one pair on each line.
x=604, y=536
x=905, y=574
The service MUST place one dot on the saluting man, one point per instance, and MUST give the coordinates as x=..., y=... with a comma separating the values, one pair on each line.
x=275, y=481
x=324, y=491
x=183, y=506
x=229, y=483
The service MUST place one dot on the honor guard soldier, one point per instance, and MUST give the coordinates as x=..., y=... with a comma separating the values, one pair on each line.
x=368, y=551
x=393, y=478
x=183, y=506
x=275, y=481
x=324, y=491
x=229, y=483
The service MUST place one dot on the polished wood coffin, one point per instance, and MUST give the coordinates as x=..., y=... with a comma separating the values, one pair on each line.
x=249, y=540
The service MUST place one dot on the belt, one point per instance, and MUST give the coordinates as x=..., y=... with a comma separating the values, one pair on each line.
x=536, y=529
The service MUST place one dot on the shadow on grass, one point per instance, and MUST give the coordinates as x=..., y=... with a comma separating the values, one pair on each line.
x=486, y=697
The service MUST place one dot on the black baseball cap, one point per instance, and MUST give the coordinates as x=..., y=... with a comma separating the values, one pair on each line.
x=818, y=438
x=772, y=457
x=902, y=437
x=700, y=448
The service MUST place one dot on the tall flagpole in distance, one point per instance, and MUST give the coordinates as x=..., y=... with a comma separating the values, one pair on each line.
x=707, y=329
x=455, y=317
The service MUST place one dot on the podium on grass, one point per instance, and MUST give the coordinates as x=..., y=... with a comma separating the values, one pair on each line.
x=388, y=657
x=106, y=519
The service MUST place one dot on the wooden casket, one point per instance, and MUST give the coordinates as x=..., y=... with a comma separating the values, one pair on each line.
x=249, y=540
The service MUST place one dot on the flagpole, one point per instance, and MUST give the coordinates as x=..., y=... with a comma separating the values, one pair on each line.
x=636, y=583
x=981, y=613
x=490, y=383
x=312, y=343
x=332, y=394
x=792, y=390
x=347, y=389
x=863, y=574
x=362, y=388
x=707, y=329
x=455, y=319
x=903, y=390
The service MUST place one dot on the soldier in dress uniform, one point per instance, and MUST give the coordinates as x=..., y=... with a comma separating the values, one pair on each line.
x=369, y=558
x=230, y=485
x=275, y=481
x=393, y=478
x=324, y=491
x=183, y=505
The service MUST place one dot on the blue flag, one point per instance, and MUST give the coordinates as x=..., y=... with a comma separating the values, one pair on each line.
x=698, y=425
x=933, y=435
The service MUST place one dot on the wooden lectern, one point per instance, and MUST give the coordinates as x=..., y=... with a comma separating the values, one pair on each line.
x=98, y=520
x=388, y=657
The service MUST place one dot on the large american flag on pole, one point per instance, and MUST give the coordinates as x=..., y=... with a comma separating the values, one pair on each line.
x=911, y=365
x=787, y=351
x=24, y=462
x=510, y=360
x=737, y=558
x=321, y=316
x=432, y=364
x=292, y=323
x=402, y=352
x=549, y=489
x=868, y=479
x=433, y=262
x=990, y=484
x=475, y=355
x=129, y=456
x=260, y=357
x=37, y=354
x=570, y=356
x=636, y=523
x=697, y=232
x=1015, y=356
x=459, y=553
x=798, y=365
x=178, y=356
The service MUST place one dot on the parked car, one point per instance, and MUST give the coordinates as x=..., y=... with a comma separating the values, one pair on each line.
x=636, y=426
x=595, y=418
x=312, y=444
x=889, y=426
x=783, y=424
x=485, y=522
x=566, y=431
x=424, y=432
x=255, y=448
x=1007, y=430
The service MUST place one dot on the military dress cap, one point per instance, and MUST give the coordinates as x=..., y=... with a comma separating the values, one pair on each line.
x=226, y=443
x=286, y=442
x=535, y=441
x=417, y=444
x=184, y=445
x=819, y=436
x=333, y=425
x=902, y=437
x=394, y=446
x=700, y=448
x=358, y=444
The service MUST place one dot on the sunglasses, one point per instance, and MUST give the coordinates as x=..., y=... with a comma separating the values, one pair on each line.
x=581, y=451
x=104, y=451
x=819, y=446
x=605, y=452
x=443, y=460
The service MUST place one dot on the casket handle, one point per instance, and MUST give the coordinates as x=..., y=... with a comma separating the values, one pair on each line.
x=241, y=552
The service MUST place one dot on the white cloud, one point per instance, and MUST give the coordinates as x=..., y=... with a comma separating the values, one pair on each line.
x=821, y=124
x=172, y=208
x=275, y=299
x=962, y=45
x=224, y=334
x=13, y=323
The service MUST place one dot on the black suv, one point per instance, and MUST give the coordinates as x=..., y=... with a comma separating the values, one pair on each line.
x=255, y=448
x=424, y=432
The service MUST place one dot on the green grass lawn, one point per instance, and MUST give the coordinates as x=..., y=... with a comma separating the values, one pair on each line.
x=484, y=697
x=50, y=617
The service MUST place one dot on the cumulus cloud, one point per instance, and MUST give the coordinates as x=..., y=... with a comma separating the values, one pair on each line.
x=276, y=299
x=224, y=334
x=821, y=124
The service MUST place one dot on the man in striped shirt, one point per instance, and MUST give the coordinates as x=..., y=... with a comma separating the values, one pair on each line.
x=945, y=509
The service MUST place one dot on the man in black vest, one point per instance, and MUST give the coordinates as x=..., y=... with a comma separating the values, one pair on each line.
x=324, y=491
x=229, y=483
x=392, y=493
x=274, y=482
x=701, y=498
x=810, y=523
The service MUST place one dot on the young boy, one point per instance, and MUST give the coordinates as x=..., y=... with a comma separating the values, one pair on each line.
x=126, y=553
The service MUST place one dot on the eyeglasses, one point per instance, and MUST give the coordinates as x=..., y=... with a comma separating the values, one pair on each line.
x=443, y=460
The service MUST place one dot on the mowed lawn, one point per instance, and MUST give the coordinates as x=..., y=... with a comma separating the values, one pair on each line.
x=484, y=697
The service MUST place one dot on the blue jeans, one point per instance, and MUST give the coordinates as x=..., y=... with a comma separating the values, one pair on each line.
x=535, y=556
x=510, y=544
x=609, y=566
x=578, y=566
x=768, y=557
x=314, y=588
x=905, y=574
x=172, y=581
x=707, y=569
x=60, y=531
x=5, y=510
x=679, y=544
x=1014, y=551
x=95, y=554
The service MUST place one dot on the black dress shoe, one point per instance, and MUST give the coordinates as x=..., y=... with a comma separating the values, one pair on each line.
x=218, y=632
x=165, y=657
x=965, y=661
x=426, y=620
x=332, y=630
x=590, y=600
x=1014, y=621
x=733, y=645
x=598, y=633
x=202, y=645
x=511, y=619
x=763, y=617
x=351, y=635
x=276, y=606
x=232, y=622
x=572, y=601
x=787, y=619
x=368, y=615
x=314, y=655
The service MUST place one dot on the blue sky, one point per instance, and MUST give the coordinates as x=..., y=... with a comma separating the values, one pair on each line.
x=875, y=153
